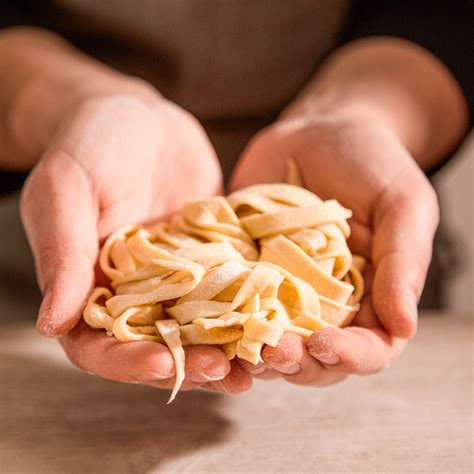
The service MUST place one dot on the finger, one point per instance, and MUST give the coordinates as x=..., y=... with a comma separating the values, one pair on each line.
x=360, y=240
x=236, y=381
x=406, y=219
x=168, y=384
x=365, y=349
x=59, y=214
x=258, y=371
x=203, y=364
x=285, y=358
x=291, y=359
x=269, y=374
x=369, y=275
x=263, y=161
x=366, y=317
x=132, y=362
x=142, y=361
x=354, y=350
x=252, y=369
x=206, y=364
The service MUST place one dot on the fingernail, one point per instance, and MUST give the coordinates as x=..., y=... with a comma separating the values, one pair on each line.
x=290, y=369
x=199, y=377
x=253, y=369
x=45, y=324
x=220, y=387
x=46, y=301
x=328, y=358
x=412, y=306
x=150, y=376
x=256, y=370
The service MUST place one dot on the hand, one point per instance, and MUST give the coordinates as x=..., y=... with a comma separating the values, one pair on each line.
x=116, y=160
x=361, y=163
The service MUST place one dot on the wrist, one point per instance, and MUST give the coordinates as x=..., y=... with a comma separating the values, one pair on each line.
x=37, y=116
x=329, y=107
x=45, y=80
x=397, y=83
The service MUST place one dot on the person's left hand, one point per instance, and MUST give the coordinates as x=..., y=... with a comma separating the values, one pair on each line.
x=116, y=160
x=363, y=165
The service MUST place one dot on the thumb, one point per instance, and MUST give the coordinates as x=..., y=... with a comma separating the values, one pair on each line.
x=406, y=218
x=59, y=213
x=264, y=160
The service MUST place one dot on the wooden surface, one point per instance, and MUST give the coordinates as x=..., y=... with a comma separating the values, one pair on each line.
x=414, y=417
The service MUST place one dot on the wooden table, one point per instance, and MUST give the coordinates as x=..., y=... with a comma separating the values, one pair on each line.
x=415, y=417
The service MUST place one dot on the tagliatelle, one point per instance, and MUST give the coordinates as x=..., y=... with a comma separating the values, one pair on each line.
x=169, y=330
x=237, y=272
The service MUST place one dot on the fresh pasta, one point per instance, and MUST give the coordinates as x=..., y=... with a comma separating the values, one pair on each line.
x=237, y=272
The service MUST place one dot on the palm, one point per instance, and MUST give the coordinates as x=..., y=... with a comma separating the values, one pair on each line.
x=351, y=163
x=362, y=165
x=142, y=162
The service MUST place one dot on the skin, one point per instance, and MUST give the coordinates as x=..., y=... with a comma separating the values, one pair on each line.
x=65, y=220
x=361, y=133
x=356, y=132
x=395, y=217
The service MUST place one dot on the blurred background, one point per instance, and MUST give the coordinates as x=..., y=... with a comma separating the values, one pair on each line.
x=455, y=246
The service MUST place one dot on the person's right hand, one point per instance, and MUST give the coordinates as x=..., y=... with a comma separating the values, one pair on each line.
x=116, y=160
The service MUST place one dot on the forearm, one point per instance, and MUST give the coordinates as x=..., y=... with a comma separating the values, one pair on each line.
x=397, y=83
x=43, y=78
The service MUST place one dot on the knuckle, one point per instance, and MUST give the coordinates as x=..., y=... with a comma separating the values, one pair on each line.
x=322, y=341
x=28, y=190
x=427, y=192
x=256, y=144
x=44, y=256
x=42, y=181
x=143, y=89
x=274, y=134
x=36, y=190
x=117, y=109
x=427, y=203
x=433, y=203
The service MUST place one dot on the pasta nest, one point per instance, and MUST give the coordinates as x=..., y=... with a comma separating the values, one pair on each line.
x=236, y=271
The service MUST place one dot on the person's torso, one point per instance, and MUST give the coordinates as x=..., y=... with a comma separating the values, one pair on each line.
x=216, y=58
x=233, y=63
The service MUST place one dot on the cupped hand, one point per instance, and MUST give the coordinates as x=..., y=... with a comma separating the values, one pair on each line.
x=115, y=160
x=362, y=164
